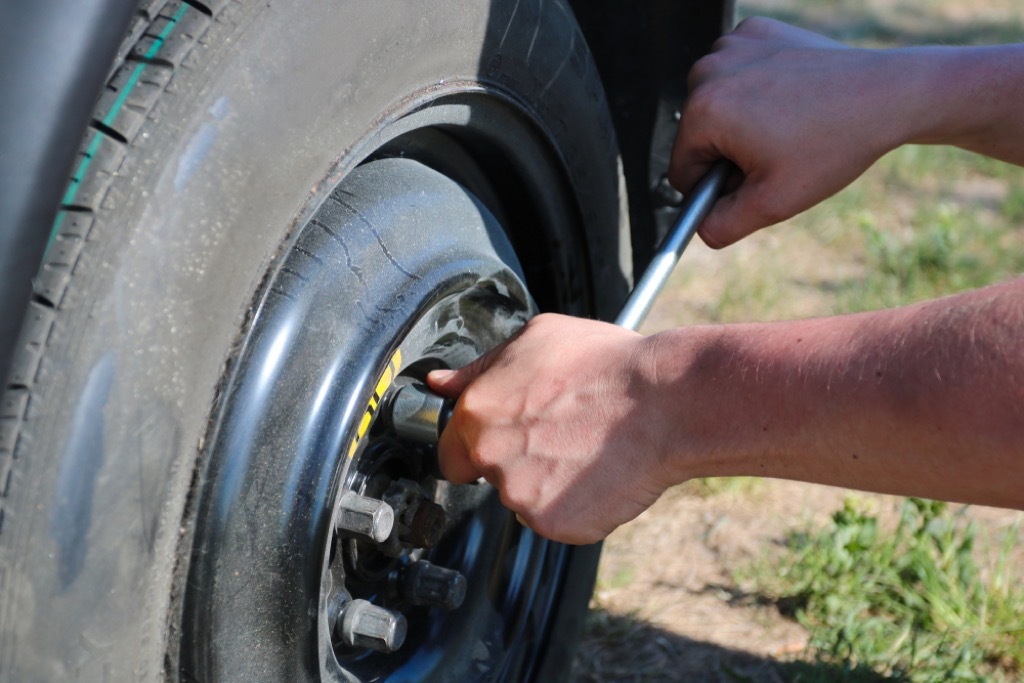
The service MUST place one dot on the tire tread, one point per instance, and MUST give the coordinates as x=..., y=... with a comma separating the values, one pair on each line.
x=160, y=38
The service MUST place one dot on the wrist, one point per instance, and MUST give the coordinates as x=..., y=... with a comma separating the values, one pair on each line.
x=746, y=399
x=692, y=385
x=961, y=96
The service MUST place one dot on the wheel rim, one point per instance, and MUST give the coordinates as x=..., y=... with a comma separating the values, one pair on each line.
x=514, y=577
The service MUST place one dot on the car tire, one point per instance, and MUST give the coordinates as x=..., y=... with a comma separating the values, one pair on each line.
x=366, y=174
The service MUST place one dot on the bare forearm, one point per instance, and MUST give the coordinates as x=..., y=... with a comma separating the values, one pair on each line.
x=925, y=400
x=970, y=97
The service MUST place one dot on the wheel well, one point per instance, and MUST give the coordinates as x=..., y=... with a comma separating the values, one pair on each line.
x=643, y=51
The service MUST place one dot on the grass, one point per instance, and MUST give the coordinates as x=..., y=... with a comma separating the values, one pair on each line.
x=962, y=229
x=898, y=22
x=724, y=486
x=732, y=487
x=909, y=605
x=915, y=605
x=924, y=222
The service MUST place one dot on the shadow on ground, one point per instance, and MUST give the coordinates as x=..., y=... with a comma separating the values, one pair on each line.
x=623, y=649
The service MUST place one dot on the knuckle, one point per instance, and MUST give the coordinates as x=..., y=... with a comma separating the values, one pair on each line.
x=543, y=524
x=767, y=209
x=715, y=66
x=756, y=26
x=556, y=527
x=707, y=100
x=724, y=43
x=703, y=69
x=480, y=460
x=472, y=407
x=516, y=496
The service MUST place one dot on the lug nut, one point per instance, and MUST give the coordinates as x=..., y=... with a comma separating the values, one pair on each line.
x=664, y=195
x=426, y=521
x=367, y=517
x=424, y=583
x=363, y=624
x=419, y=521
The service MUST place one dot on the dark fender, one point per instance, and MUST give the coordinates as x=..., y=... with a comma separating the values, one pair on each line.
x=56, y=56
x=644, y=50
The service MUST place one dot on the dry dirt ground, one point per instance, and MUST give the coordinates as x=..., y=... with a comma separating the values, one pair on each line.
x=668, y=606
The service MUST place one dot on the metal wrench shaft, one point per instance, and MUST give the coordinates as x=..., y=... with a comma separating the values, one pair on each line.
x=695, y=209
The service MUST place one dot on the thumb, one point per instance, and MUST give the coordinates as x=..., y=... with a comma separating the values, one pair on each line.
x=448, y=383
x=451, y=383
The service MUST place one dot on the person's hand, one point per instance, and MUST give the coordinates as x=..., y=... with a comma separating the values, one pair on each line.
x=560, y=419
x=800, y=115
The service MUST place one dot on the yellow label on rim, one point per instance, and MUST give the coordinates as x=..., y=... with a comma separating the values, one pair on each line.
x=390, y=372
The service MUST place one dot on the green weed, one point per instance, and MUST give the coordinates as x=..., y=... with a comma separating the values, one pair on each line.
x=944, y=249
x=925, y=602
x=1013, y=205
x=621, y=578
x=909, y=605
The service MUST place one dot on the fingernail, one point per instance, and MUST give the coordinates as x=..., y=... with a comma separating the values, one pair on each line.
x=521, y=520
x=441, y=375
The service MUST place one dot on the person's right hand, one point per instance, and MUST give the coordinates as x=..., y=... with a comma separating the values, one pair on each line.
x=800, y=115
x=565, y=420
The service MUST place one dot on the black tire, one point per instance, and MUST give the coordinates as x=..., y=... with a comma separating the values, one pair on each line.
x=137, y=542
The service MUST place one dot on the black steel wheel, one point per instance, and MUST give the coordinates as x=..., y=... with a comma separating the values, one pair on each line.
x=283, y=212
x=436, y=284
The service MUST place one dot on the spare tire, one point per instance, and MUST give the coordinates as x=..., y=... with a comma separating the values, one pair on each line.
x=279, y=207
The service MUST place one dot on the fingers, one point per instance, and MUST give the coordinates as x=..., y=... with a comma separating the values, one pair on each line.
x=454, y=452
x=536, y=418
x=748, y=102
x=452, y=383
x=694, y=152
x=767, y=29
x=712, y=123
x=739, y=213
x=452, y=449
x=454, y=457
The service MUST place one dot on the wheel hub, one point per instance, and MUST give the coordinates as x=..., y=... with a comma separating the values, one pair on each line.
x=378, y=541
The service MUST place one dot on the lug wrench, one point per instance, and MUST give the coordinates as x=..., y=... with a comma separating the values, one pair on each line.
x=419, y=415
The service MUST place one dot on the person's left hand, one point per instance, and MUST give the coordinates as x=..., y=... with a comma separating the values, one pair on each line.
x=800, y=115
